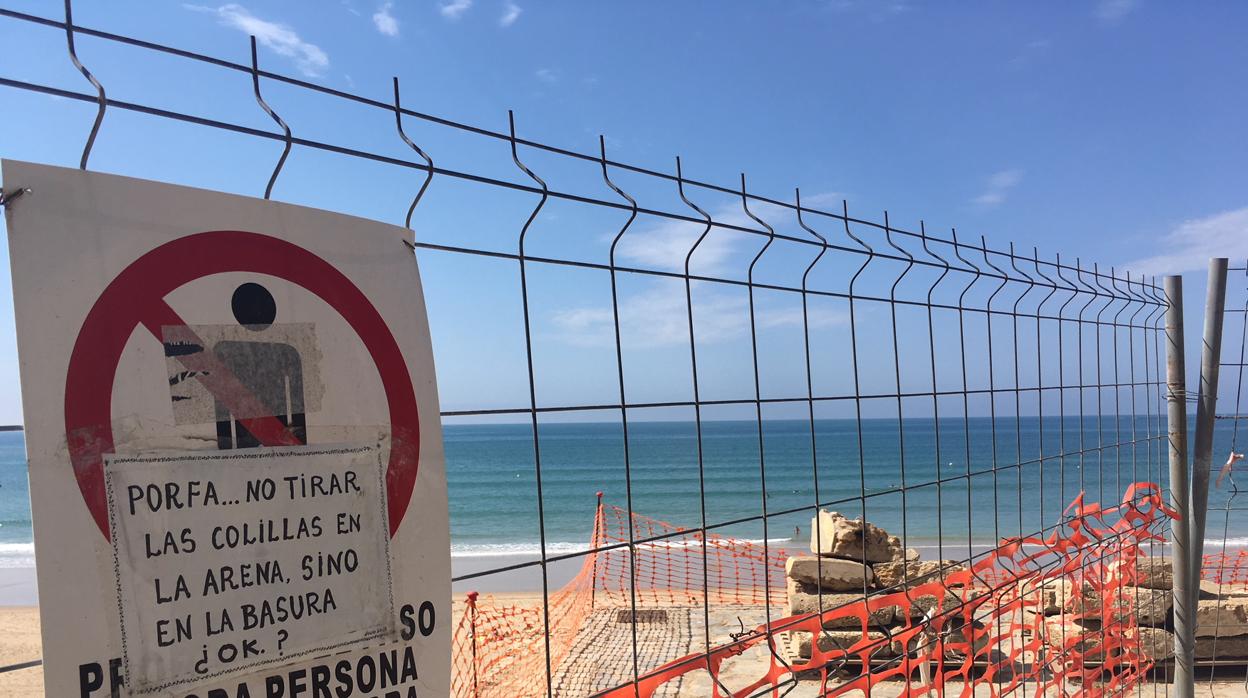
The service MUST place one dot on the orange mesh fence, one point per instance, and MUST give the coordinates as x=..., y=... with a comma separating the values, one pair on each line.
x=1226, y=568
x=1062, y=610
x=998, y=636
x=668, y=567
x=500, y=650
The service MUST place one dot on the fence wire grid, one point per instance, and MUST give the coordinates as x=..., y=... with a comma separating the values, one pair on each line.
x=1225, y=557
x=748, y=361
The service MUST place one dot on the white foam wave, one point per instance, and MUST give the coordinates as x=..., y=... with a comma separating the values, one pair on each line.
x=1213, y=546
x=563, y=548
x=17, y=555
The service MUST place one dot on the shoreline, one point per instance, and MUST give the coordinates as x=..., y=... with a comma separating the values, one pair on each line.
x=517, y=573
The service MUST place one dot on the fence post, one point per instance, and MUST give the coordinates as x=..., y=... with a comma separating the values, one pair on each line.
x=1206, y=408
x=472, y=632
x=1176, y=397
x=595, y=541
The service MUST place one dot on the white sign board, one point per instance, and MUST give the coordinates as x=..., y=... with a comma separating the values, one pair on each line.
x=236, y=465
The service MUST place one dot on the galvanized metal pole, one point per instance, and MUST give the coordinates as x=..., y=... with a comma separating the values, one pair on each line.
x=1206, y=408
x=1176, y=397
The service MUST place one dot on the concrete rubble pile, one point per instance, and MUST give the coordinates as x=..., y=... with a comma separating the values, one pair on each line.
x=1221, y=613
x=851, y=557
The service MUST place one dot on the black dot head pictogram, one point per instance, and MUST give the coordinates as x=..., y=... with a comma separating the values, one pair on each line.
x=253, y=306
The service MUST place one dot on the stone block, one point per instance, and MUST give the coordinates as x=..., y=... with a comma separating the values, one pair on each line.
x=1048, y=595
x=1065, y=633
x=1212, y=590
x=1156, y=643
x=830, y=574
x=1224, y=617
x=960, y=641
x=1150, y=572
x=834, y=535
x=927, y=603
x=832, y=640
x=1220, y=648
x=913, y=572
x=1127, y=604
x=804, y=599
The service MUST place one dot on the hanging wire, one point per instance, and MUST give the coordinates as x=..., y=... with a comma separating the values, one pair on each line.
x=255, y=84
x=398, y=122
x=101, y=99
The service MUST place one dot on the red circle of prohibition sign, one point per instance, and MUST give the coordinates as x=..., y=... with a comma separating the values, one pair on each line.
x=136, y=297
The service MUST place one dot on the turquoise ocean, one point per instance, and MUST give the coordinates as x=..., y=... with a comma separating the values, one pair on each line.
x=493, y=488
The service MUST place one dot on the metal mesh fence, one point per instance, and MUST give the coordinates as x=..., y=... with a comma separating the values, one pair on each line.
x=725, y=366
x=1222, y=611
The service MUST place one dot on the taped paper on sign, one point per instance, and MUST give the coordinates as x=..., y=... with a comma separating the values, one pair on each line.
x=231, y=560
x=278, y=364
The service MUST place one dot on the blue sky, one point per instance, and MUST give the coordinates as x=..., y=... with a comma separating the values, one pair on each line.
x=1109, y=130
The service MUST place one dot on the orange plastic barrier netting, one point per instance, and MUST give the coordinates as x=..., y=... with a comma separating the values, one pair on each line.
x=975, y=624
x=1226, y=567
x=500, y=650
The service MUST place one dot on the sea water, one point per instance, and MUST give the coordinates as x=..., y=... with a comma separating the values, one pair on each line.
x=970, y=491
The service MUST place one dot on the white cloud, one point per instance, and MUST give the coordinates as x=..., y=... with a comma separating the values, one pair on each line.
x=281, y=39
x=665, y=245
x=511, y=12
x=546, y=75
x=1113, y=11
x=385, y=22
x=1190, y=245
x=827, y=199
x=455, y=8
x=998, y=186
x=658, y=318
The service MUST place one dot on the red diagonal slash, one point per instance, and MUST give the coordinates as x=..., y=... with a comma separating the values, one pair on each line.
x=221, y=381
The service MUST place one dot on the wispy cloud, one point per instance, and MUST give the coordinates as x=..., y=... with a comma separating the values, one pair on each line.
x=385, y=21
x=279, y=38
x=454, y=9
x=665, y=245
x=547, y=75
x=511, y=12
x=998, y=186
x=1190, y=245
x=874, y=10
x=1030, y=51
x=1113, y=11
x=657, y=317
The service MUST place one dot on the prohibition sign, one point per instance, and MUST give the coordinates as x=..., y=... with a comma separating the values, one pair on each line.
x=136, y=297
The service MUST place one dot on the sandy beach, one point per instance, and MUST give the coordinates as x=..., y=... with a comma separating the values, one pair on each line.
x=19, y=643
x=20, y=640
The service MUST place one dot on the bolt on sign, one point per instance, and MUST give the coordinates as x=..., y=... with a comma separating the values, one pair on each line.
x=236, y=465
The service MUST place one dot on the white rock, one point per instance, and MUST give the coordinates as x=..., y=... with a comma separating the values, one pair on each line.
x=835, y=535
x=830, y=574
x=1048, y=595
x=1223, y=617
x=891, y=574
x=1127, y=604
x=805, y=599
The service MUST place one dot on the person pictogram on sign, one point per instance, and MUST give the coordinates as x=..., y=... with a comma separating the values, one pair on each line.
x=272, y=371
